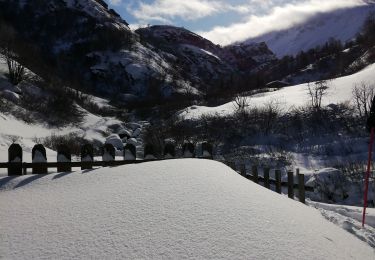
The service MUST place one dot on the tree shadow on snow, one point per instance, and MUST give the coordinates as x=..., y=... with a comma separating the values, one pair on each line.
x=60, y=175
x=87, y=170
x=29, y=180
x=5, y=180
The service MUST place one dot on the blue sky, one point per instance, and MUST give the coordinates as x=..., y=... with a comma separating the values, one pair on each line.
x=225, y=21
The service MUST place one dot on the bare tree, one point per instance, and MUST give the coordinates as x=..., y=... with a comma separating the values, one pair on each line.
x=362, y=97
x=241, y=103
x=316, y=92
x=8, y=41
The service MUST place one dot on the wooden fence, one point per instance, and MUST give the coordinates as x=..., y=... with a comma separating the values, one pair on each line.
x=276, y=182
x=40, y=165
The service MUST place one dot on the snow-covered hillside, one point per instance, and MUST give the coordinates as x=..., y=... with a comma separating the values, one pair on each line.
x=162, y=210
x=340, y=90
x=204, y=58
x=343, y=24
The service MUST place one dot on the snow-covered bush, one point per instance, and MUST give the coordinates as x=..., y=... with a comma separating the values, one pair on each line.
x=132, y=141
x=331, y=183
x=116, y=141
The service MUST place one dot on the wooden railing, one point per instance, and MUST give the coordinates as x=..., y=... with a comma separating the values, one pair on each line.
x=16, y=166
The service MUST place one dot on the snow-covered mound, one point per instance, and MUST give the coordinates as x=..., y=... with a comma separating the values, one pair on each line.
x=342, y=24
x=162, y=210
x=339, y=90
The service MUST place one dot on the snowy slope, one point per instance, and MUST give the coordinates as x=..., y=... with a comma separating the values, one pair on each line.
x=350, y=219
x=341, y=24
x=340, y=90
x=162, y=210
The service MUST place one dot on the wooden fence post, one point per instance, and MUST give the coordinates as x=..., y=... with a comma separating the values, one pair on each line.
x=207, y=151
x=266, y=175
x=15, y=160
x=87, y=156
x=63, y=155
x=290, y=184
x=108, y=153
x=254, y=170
x=130, y=152
x=149, y=152
x=39, y=156
x=169, y=151
x=301, y=186
x=243, y=170
x=278, y=180
x=188, y=150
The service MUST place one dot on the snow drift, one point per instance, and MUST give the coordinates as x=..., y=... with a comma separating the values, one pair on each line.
x=162, y=210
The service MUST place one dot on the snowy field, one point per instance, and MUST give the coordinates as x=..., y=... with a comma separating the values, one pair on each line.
x=340, y=90
x=162, y=210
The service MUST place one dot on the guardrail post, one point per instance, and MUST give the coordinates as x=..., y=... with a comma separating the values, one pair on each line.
x=188, y=150
x=243, y=170
x=266, y=175
x=130, y=152
x=290, y=184
x=207, y=150
x=87, y=156
x=63, y=155
x=254, y=170
x=149, y=152
x=278, y=180
x=169, y=151
x=15, y=160
x=108, y=153
x=301, y=186
x=39, y=156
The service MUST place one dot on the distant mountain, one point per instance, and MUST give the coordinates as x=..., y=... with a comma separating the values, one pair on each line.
x=343, y=24
x=203, y=58
x=88, y=46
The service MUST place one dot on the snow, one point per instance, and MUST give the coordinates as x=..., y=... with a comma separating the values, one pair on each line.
x=175, y=209
x=62, y=158
x=198, y=51
x=206, y=154
x=188, y=154
x=132, y=141
x=116, y=141
x=107, y=157
x=340, y=90
x=150, y=157
x=16, y=159
x=350, y=219
x=87, y=158
x=129, y=156
x=39, y=157
x=136, y=132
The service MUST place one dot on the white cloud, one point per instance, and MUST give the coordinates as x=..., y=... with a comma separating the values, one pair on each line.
x=280, y=17
x=167, y=10
x=115, y=2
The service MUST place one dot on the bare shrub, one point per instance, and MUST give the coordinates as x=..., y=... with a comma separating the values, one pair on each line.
x=316, y=93
x=73, y=140
x=241, y=103
x=269, y=116
x=362, y=97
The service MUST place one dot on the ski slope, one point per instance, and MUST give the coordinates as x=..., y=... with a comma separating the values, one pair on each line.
x=340, y=90
x=175, y=209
